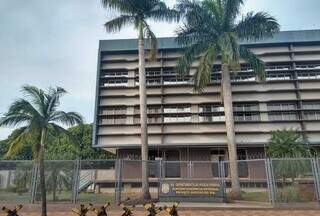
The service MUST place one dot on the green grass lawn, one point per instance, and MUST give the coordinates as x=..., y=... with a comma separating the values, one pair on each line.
x=253, y=196
x=261, y=196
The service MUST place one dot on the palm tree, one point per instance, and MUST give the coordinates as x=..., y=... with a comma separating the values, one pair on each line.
x=211, y=30
x=38, y=114
x=137, y=13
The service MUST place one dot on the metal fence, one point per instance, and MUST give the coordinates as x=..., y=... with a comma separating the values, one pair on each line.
x=267, y=181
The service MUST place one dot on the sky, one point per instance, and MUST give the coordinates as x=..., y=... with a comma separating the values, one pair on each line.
x=54, y=43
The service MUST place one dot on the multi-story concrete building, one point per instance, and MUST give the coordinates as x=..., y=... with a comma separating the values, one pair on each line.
x=184, y=125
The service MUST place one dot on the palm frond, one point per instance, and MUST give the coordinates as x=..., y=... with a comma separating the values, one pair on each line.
x=190, y=55
x=185, y=6
x=199, y=24
x=36, y=95
x=202, y=76
x=17, y=142
x=216, y=10
x=231, y=11
x=255, y=62
x=118, y=23
x=14, y=120
x=67, y=118
x=256, y=26
x=53, y=99
x=122, y=6
x=160, y=12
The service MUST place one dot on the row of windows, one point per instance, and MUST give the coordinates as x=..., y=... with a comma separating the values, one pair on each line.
x=303, y=75
x=212, y=108
x=172, y=72
x=238, y=117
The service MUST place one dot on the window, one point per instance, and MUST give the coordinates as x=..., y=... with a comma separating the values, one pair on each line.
x=154, y=119
x=278, y=76
x=211, y=108
x=116, y=82
x=169, y=72
x=154, y=110
x=177, y=109
x=312, y=115
x=309, y=75
x=177, y=118
x=215, y=78
x=278, y=67
x=281, y=106
x=212, y=118
x=116, y=111
x=246, y=117
x=243, y=77
x=154, y=73
x=283, y=116
x=156, y=81
x=308, y=66
x=116, y=74
x=175, y=81
x=311, y=105
x=115, y=120
x=151, y=120
x=151, y=110
x=245, y=107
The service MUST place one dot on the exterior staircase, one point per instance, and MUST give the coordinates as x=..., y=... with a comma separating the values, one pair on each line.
x=86, y=181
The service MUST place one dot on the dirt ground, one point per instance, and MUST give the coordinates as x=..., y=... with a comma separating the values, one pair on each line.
x=201, y=213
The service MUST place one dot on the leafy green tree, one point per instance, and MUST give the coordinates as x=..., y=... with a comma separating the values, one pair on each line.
x=137, y=13
x=62, y=148
x=287, y=145
x=212, y=31
x=25, y=152
x=38, y=112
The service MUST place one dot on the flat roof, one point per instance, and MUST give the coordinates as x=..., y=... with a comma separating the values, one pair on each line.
x=283, y=37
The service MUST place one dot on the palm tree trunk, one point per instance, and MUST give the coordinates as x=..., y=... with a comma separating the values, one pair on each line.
x=143, y=117
x=42, y=177
x=229, y=119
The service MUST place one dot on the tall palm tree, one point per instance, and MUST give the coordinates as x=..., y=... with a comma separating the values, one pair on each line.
x=39, y=116
x=137, y=13
x=211, y=30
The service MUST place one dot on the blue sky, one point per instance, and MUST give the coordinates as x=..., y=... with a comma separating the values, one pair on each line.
x=54, y=43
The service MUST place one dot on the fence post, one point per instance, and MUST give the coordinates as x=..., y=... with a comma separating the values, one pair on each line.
x=76, y=180
x=221, y=176
x=315, y=172
x=118, y=184
x=270, y=181
x=160, y=169
x=190, y=170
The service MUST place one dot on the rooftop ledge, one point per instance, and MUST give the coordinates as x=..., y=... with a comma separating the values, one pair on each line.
x=283, y=37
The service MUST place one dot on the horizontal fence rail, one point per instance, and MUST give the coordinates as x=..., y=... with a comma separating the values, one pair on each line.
x=273, y=181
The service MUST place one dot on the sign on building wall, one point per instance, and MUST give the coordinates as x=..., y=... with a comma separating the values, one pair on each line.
x=186, y=190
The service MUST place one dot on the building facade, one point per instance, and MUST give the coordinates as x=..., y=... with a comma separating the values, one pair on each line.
x=184, y=125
